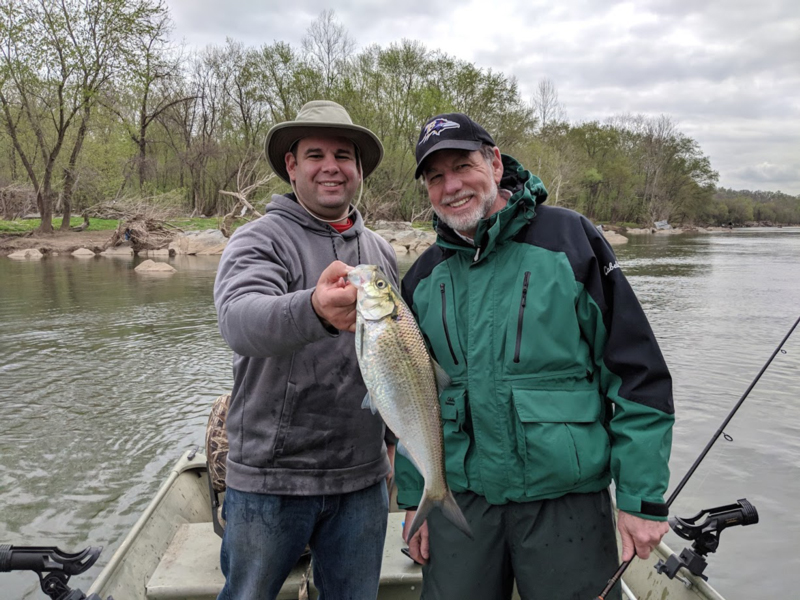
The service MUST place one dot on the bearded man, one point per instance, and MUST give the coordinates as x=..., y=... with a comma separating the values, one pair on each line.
x=559, y=386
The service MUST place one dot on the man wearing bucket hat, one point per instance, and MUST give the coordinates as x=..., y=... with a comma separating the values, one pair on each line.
x=559, y=386
x=306, y=466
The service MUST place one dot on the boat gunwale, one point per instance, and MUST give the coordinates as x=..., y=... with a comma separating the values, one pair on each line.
x=189, y=460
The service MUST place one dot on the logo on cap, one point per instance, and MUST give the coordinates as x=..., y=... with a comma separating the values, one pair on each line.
x=436, y=127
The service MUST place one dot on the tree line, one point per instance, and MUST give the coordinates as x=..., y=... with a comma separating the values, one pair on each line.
x=97, y=102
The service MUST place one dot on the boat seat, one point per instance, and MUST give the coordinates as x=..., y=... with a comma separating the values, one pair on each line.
x=190, y=569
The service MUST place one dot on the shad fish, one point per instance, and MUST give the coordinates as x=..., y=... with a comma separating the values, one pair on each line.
x=402, y=379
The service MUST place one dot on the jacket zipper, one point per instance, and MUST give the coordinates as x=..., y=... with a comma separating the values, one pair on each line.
x=444, y=322
x=522, y=303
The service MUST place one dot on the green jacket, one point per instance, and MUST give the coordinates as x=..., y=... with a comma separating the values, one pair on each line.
x=558, y=382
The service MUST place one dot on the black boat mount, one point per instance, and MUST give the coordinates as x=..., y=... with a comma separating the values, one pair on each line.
x=705, y=535
x=53, y=566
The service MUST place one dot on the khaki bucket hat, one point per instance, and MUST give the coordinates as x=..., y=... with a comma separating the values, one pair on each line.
x=321, y=117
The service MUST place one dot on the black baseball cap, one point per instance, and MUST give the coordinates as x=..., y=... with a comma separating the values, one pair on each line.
x=449, y=131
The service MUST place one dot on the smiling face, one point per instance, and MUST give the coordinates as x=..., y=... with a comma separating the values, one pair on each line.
x=325, y=174
x=462, y=187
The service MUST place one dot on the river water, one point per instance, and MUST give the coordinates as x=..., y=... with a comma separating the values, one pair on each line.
x=106, y=377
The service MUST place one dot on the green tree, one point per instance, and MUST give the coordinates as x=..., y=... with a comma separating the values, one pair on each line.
x=148, y=85
x=58, y=57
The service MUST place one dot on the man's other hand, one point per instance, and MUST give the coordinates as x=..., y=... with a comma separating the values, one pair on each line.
x=334, y=298
x=418, y=545
x=639, y=534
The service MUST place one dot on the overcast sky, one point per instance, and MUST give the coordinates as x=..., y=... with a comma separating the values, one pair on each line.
x=727, y=72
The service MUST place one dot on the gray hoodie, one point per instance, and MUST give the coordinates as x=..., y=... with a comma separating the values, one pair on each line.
x=295, y=424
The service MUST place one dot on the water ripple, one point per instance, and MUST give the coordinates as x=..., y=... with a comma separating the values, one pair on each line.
x=108, y=377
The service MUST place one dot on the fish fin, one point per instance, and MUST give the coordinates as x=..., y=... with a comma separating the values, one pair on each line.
x=453, y=513
x=404, y=451
x=450, y=510
x=424, y=509
x=443, y=380
x=368, y=403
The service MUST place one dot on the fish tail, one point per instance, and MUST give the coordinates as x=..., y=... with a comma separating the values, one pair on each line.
x=450, y=510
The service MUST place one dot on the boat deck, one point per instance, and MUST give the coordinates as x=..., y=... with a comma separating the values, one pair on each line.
x=190, y=568
x=173, y=553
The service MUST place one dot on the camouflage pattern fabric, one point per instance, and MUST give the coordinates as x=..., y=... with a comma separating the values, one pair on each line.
x=217, y=442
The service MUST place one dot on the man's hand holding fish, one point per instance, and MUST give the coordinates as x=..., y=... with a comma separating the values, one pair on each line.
x=334, y=299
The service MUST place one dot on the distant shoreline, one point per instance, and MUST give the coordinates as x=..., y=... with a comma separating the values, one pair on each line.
x=65, y=242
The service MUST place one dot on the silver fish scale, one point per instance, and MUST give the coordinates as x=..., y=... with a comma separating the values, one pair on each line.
x=398, y=372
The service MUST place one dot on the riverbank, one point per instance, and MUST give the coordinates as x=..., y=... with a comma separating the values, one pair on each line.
x=671, y=231
x=59, y=242
x=403, y=237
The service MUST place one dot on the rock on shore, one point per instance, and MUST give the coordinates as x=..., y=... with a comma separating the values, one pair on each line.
x=29, y=254
x=83, y=253
x=151, y=266
x=118, y=251
x=614, y=238
x=404, y=238
x=210, y=241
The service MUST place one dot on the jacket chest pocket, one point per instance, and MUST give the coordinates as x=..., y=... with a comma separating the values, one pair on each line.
x=439, y=323
x=560, y=438
x=453, y=403
x=521, y=327
x=448, y=316
x=541, y=327
x=523, y=301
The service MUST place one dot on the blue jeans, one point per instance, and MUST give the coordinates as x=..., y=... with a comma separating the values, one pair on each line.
x=266, y=534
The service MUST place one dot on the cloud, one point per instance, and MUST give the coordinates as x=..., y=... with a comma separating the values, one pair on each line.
x=770, y=173
x=726, y=71
x=254, y=22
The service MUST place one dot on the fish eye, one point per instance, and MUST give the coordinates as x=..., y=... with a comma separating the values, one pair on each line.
x=380, y=284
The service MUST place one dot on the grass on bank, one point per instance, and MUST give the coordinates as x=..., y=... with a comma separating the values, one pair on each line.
x=20, y=226
x=423, y=225
x=26, y=225
x=202, y=223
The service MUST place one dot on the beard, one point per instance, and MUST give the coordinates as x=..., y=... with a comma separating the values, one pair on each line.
x=468, y=221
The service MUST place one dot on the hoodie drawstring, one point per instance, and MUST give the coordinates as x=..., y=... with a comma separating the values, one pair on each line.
x=358, y=246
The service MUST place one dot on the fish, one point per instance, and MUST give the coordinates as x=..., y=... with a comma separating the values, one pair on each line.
x=403, y=383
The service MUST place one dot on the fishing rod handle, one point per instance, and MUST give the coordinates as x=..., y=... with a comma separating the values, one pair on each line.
x=47, y=559
x=613, y=581
x=11, y=559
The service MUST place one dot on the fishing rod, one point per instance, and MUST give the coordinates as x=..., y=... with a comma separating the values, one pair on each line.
x=744, y=505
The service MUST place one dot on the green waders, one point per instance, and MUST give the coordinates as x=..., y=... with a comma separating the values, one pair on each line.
x=559, y=549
